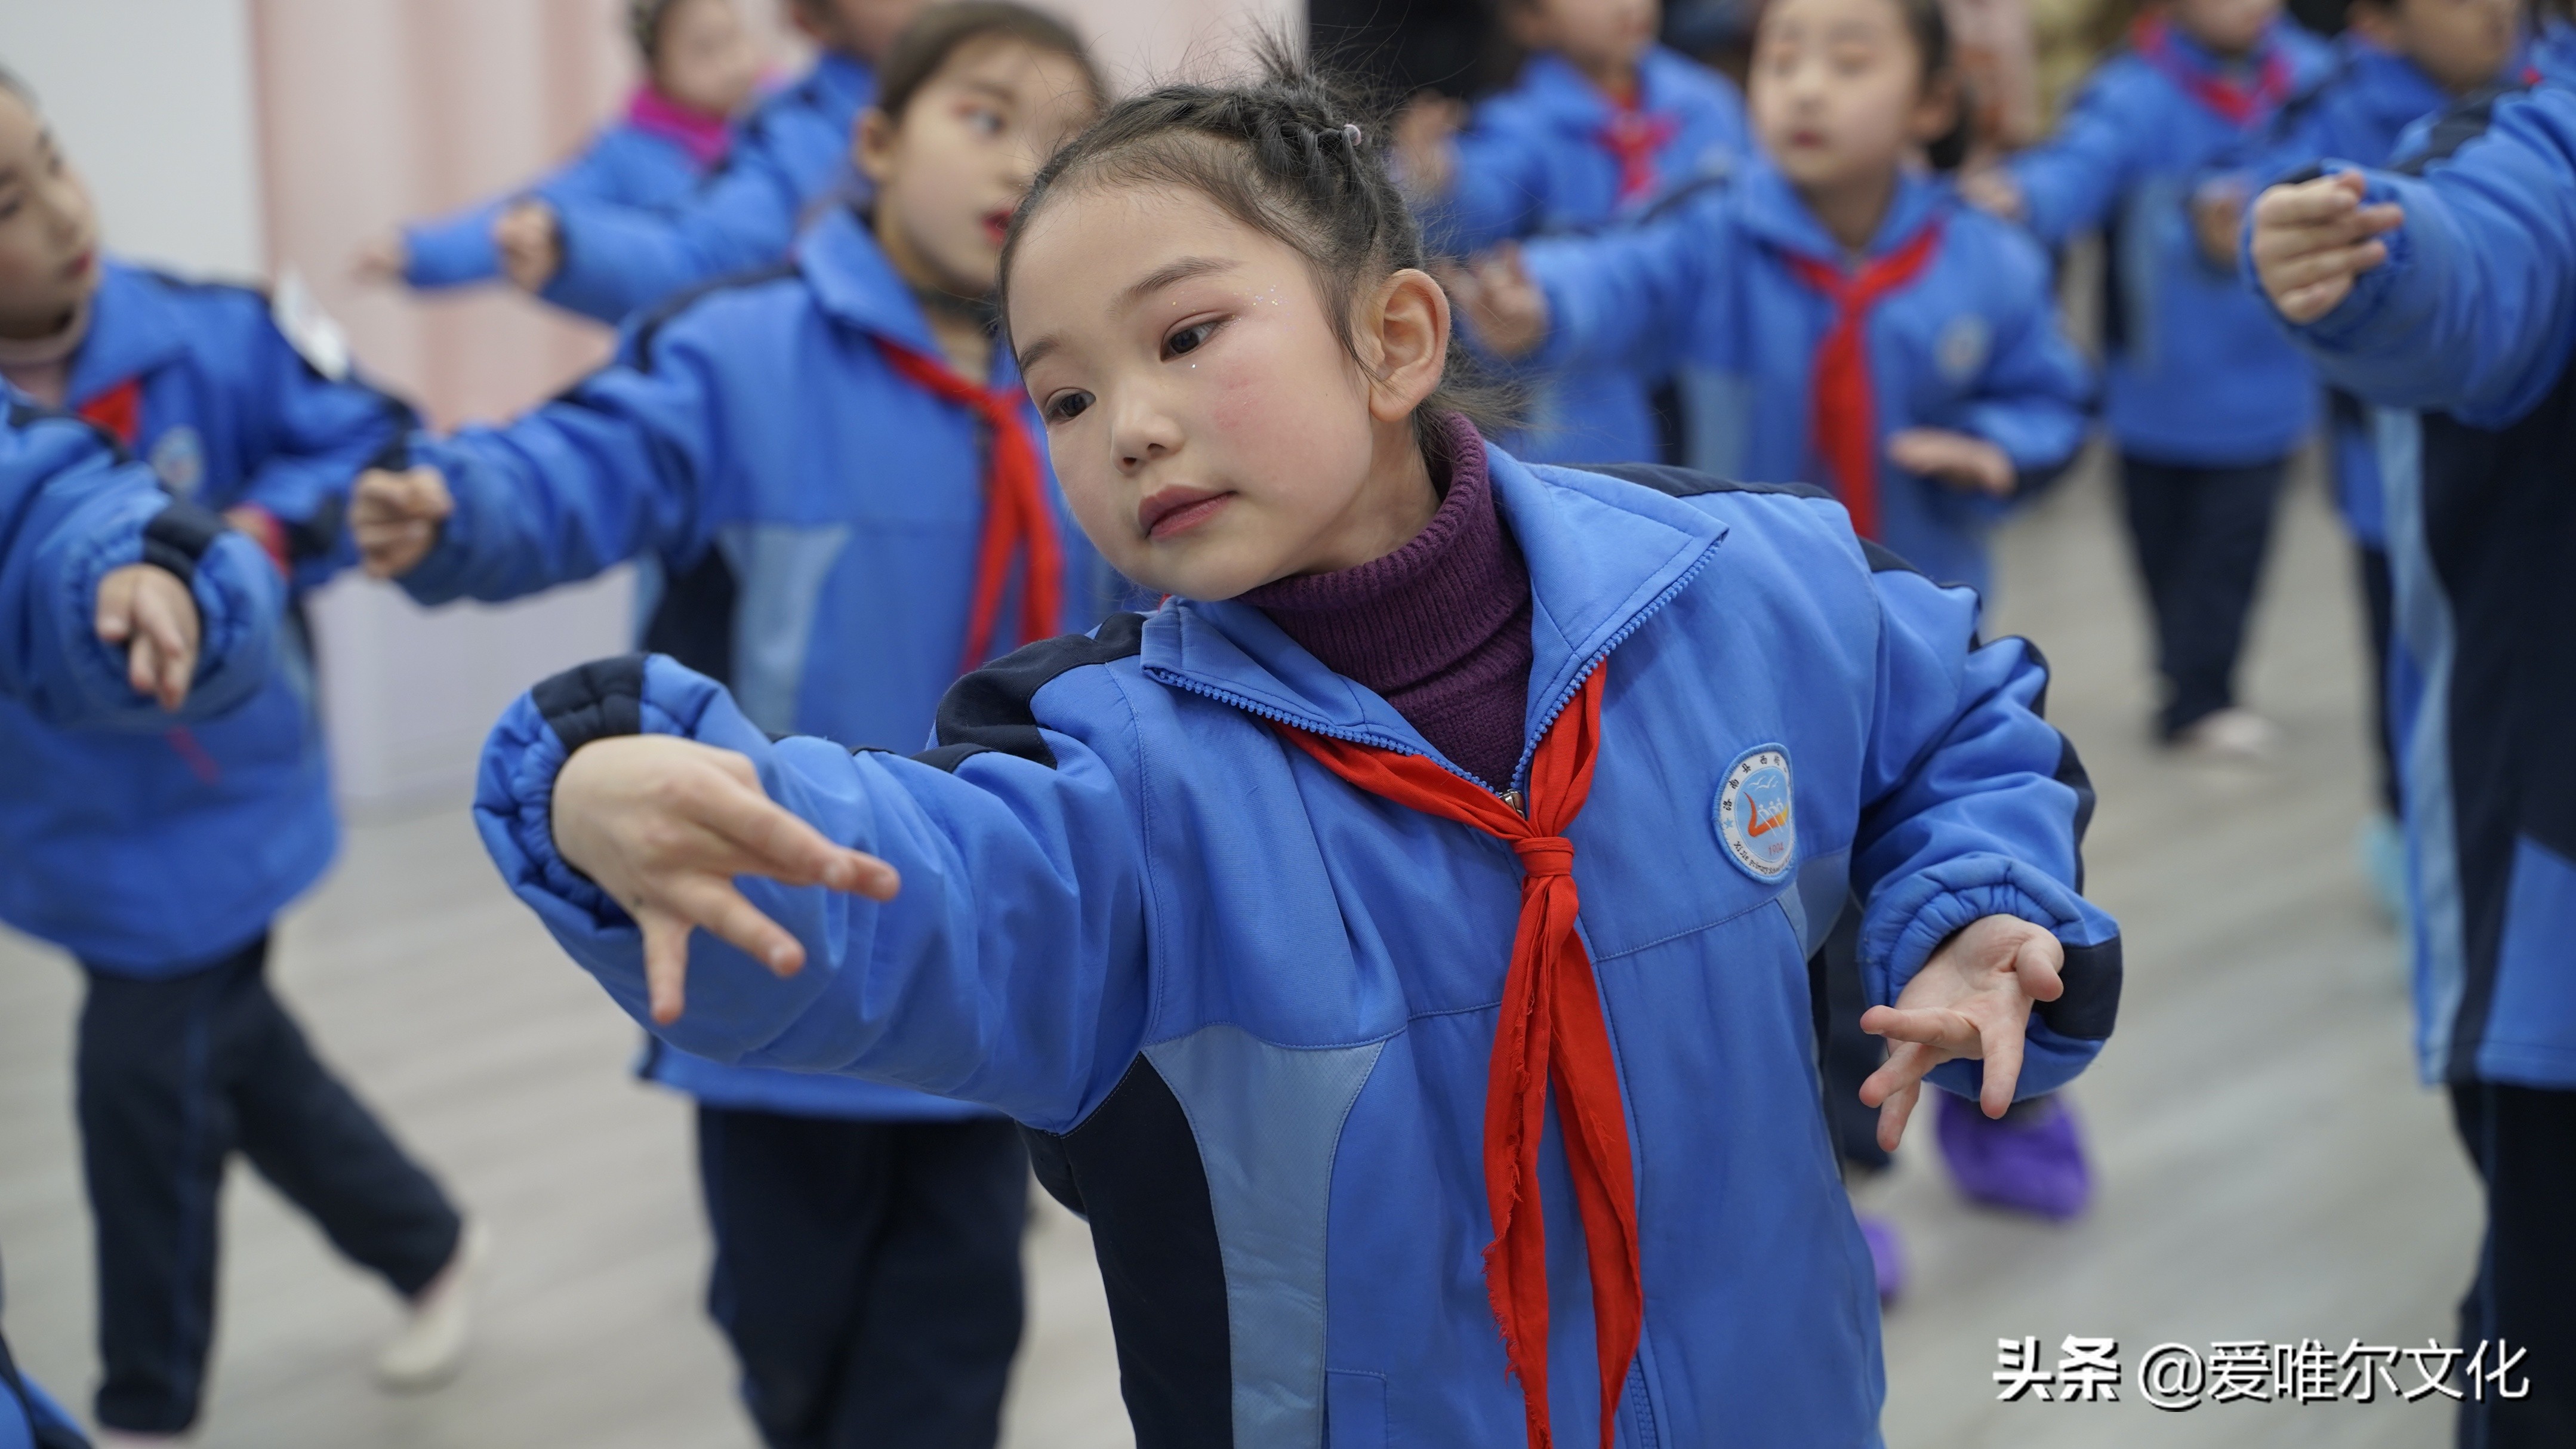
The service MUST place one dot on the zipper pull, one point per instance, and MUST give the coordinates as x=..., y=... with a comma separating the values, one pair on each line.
x=1518, y=801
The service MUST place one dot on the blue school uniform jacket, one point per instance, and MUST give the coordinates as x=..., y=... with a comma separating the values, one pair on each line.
x=626, y=166
x=1535, y=162
x=793, y=151
x=153, y=854
x=2195, y=373
x=2463, y=336
x=1250, y=1010
x=2355, y=114
x=809, y=520
x=71, y=510
x=1971, y=345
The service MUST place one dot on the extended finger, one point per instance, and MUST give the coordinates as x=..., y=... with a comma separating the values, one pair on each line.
x=173, y=636
x=2002, y=1050
x=2338, y=263
x=115, y=616
x=1904, y=1066
x=143, y=669
x=1937, y=1027
x=666, y=962
x=2037, y=964
x=782, y=846
x=1893, y=1115
x=716, y=905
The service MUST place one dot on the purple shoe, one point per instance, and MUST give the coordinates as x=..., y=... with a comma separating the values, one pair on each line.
x=2032, y=1161
x=1886, y=1256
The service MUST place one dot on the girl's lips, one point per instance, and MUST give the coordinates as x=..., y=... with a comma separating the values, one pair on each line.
x=80, y=266
x=997, y=225
x=1175, y=511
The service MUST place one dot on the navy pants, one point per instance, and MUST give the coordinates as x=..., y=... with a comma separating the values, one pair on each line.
x=175, y=1076
x=867, y=1274
x=2523, y=1141
x=2199, y=536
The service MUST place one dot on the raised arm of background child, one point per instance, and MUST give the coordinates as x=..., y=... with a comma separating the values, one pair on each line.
x=456, y=250
x=2034, y=396
x=1497, y=185
x=614, y=469
x=2069, y=182
x=2475, y=308
x=74, y=514
x=315, y=422
x=618, y=261
x=1972, y=805
x=1008, y=970
x=1630, y=296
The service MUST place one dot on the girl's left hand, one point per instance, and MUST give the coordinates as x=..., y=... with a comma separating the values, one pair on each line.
x=1961, y=460
x=151, y=613
x=1972, y=999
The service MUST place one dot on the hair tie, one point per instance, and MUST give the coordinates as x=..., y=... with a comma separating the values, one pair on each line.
x=1352, y=133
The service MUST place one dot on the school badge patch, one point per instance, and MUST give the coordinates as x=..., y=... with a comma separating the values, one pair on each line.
x=179, y=460
x=1960, y=351
x=1755, y=821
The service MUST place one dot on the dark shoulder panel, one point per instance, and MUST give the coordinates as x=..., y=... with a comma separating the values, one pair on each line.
x=995, y=708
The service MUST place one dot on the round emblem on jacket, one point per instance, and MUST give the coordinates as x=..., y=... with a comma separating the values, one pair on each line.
x=1755, y=821
x=179, y=460
x=1960, y=351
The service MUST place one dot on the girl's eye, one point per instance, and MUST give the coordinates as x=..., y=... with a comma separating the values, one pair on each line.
x=1065, y=407
x=984, y=122
x=1188, y=339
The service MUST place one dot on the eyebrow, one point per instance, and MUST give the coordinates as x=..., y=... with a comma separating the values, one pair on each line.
x=1169, y=274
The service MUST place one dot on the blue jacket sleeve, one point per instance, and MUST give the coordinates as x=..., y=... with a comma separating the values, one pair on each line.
x=2070, y=181
x=457, y=249
x=616, y=468
x=1630, y=297
x=1496, y=192
x=2474, y=310
x=619, y=260
x=73, y=513
x=1973, y=806
x=1010, y=970
x=2035, y=395
x=312, y=435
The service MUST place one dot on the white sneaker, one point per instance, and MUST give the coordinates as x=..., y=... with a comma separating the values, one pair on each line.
x=431, y=1346
x=2229, y=734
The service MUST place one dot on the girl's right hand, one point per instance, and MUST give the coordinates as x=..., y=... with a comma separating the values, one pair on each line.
x=396, y=518
x=2313, y=238
x=665, y=824
x=1506, y=310
x=1994, y=190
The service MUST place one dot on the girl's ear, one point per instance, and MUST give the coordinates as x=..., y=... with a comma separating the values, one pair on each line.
x=872, y=145
x=1404, y=335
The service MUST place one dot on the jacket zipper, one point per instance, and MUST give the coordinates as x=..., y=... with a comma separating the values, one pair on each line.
x=1636, y=621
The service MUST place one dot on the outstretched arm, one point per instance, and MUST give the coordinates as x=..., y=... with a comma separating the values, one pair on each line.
x=1972, y=928
x=2453, y=290
x=976, y=932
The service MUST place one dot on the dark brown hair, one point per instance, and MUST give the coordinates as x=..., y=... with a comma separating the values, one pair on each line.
x=1294, y=154
x=936, y=35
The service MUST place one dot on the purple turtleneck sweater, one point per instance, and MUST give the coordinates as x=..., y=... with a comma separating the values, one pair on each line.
x=1440, y=628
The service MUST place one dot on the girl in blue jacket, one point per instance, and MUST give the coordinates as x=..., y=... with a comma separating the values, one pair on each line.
x=2203, y=399
x=2445, y=293
x=1441, y=781
x=700, y=67
x=835, y=482
x=159, y=859
x=1602, y=125
x=790, y=157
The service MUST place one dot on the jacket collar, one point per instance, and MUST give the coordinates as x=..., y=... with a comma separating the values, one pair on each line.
x=132, y=331
x=1773, y=211
x=1602, y=555
x=1570, y=100
x=854, y=284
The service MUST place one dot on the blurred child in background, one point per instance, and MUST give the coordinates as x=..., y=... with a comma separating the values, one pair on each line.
x=160, y=859
x=701, y=66
x=2202, y=397
x=2396, y=63
x=832, y=471
x=1601, y=126
x=789, y=156
x=1873, y=333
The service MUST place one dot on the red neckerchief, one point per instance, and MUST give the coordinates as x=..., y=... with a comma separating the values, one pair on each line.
x=1016, y=516
x=2239, y=103
x=1843, y=409
x=1551, y=1029
x=119, y=410
x=1633, y=135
